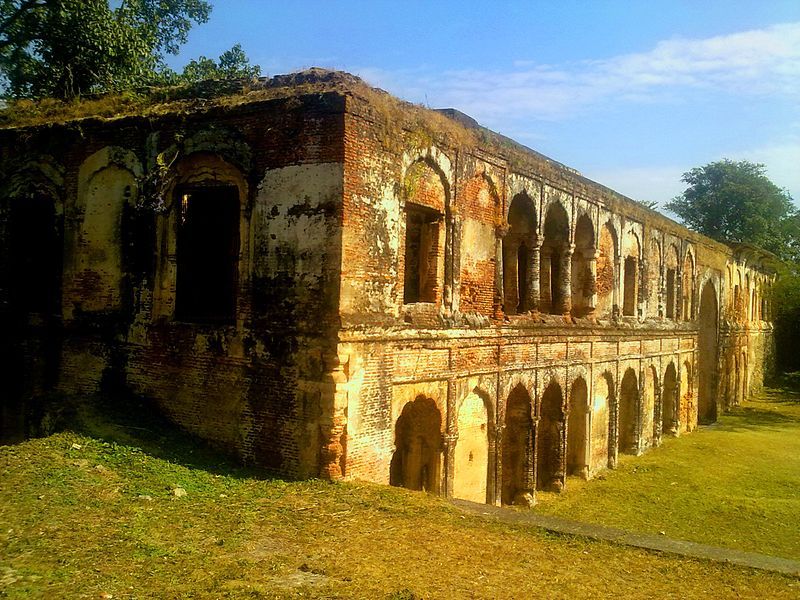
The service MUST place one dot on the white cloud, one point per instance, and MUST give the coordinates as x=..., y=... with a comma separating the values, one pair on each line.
x=650, y=184
x=756, y=62
x=661, y=183
x=782, y=159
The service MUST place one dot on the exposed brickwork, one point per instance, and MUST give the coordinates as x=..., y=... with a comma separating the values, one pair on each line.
x=325, y=352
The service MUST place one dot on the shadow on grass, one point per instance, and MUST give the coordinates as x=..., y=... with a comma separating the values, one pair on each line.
x=139, y=423
x=747, y=418
x=784, y=387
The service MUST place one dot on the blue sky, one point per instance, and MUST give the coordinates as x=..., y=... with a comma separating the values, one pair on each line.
x=632, y=94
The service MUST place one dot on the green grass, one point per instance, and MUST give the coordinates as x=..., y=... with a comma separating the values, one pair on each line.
x=734, y=484
x=91, y=512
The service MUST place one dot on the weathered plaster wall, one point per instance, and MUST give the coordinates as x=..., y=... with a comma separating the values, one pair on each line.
x=255, y=385
x=552, y=323
x=629, y=285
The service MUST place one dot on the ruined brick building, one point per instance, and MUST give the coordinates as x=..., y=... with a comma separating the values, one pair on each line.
x=329, y=282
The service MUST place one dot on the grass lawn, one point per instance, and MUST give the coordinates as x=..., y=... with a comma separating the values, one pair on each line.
x=93, y=514
x=734, y=484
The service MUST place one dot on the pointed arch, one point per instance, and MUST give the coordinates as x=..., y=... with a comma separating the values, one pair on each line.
x=549, y=475
x=605, y=278
x=517, y=450
x=628, y=412
x=475, y=423
x=416, y=462
x=578, y=423
x=583, y=283
x=554, y=289
x=669, y=392
x=518, y=248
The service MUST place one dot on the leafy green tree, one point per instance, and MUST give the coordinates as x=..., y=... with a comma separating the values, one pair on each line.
x=736, y=201
x=64, y=48
x=232, y=64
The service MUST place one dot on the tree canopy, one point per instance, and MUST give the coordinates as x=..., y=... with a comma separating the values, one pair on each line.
x=232, y=64
x=736, y=201
x=65, y=48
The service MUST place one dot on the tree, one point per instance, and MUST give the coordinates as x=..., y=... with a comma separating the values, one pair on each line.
x=735, y=201
x=232, y=64
x=65, y=48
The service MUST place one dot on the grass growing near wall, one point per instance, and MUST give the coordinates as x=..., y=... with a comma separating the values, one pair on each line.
x=734, y=484
x=95, y=514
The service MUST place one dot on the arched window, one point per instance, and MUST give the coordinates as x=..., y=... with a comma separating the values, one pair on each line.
x=518, y=245
x=554, y=289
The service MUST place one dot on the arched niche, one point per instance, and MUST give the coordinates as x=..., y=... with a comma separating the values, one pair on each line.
x=518, y=248
x=517, y=448
x=649, y=406
x=426, y=201
x=471, y=458
x=685, y=408
x=605, y=279
x=687, y=286
x=481, y=213
x=583, y=267
x=708, y=354
x=554, y=284
x=578, y=424
x=668, y=400
x=671, y=281
x=630, y=274
x=654, y=261
x=32, y=244
x=107, y=192
x=549, y=475
x=417, y=458
x=628, y=412
x=203, y=241
x=603, y=407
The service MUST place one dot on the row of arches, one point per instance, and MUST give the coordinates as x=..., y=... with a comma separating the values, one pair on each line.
x=589, y=271
x=748, y=295
x=575, y=431
x=556, y=266
x=111, y=238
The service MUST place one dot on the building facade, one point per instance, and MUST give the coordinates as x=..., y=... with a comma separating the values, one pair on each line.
x=329, y=282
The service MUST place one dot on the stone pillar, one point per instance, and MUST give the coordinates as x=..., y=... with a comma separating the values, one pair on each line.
x=530, y=460
x=498, y=465
x=560, y=476
x=641, y=289
x=616, y=311
x=674, y=426
x=565, y=284
x=658, y=409
x=593, y=254
x=637, y=434
x=449, y=441
x=491, y=479
x=333, y=421
x=613, y=430
x=532, y=276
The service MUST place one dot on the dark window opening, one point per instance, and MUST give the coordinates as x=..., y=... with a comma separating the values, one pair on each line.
x=35, y=255
x=629, y=299
x=670, y=293
x=208, y=254
x=522, y=278
x=422, y=244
